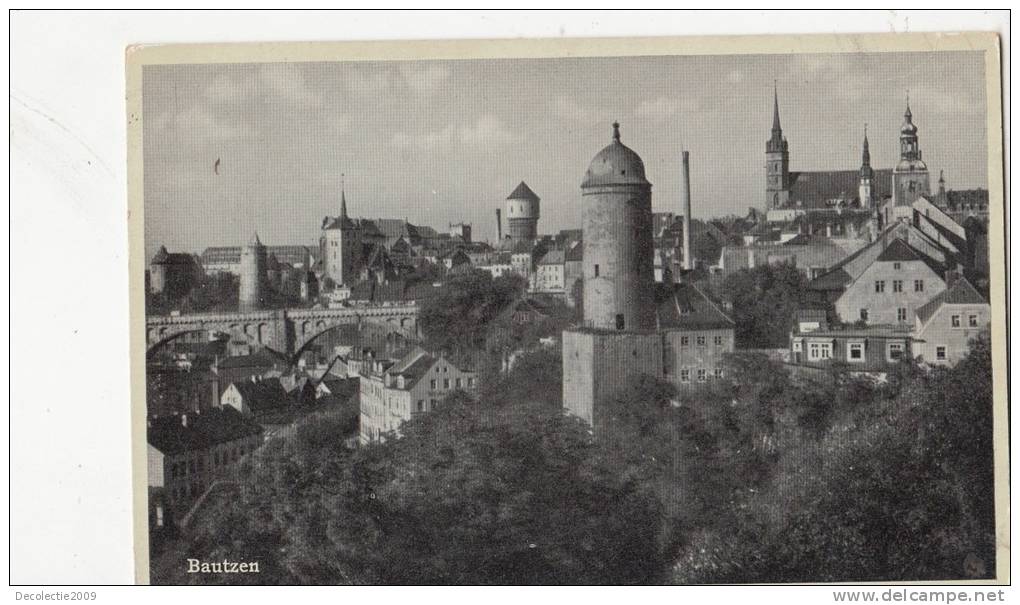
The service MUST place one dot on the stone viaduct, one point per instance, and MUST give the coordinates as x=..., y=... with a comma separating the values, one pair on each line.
x=286, y=330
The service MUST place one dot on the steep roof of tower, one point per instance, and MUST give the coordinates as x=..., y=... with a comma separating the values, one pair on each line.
x=523, y=192
x=616, y=164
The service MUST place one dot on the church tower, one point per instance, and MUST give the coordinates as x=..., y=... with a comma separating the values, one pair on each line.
x=253, y=275
x=616, y=219
x=910, y=176
x=866, y=174
x=777, y=162
x=341, y=246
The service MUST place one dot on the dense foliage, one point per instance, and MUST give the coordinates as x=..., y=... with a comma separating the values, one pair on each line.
x=765, y=301
x=457, y=318
x=758, y=477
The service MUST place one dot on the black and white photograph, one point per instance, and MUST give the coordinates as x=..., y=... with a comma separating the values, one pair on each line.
x=345, y=304
x=576, y=320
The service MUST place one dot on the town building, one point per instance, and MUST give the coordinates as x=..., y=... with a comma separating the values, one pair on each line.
x=946, y=324
x=173, y=273
x=227, y=259
x=188, y=452
x=550, y=274
x=257, y=396
x=868, y=349
x=632, y=325
x=394, y=391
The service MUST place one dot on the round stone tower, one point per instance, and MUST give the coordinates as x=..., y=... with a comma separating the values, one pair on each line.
x=619, y=278
x=253, y=275
x=522, y=210
x=157, y=270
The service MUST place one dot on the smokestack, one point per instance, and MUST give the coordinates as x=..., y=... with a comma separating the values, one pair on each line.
x=685, y=201
x=499, y=226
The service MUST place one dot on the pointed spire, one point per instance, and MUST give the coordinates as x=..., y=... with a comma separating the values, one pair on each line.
x=616, y=131
x=776, y=127
x=255, y=240
x=866, y=152
x=907, y=113
x=343, y=198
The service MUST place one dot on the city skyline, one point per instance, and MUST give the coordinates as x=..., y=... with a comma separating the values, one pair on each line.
x=418, y=132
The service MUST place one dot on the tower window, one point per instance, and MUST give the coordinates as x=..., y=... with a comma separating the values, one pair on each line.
x=596, y=270
x=619, y=321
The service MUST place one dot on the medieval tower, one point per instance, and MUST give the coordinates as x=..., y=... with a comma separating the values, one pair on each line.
x=522, y=211
x=631, y=324
x=777, y=162
x=618, y=249
x=340, y=246
x=910, y=176
x=253, y=275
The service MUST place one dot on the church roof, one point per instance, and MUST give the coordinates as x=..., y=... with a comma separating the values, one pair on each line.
x=819, y=189
x=960, y=293
x=523, y=192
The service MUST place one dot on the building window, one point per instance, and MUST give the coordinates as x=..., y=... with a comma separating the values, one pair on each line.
x=895, y=351
x=471, y=382
x=940, y=353
x=918, y=285
x=702, y=375
x=432, y=384
x=972, y=321
x=456, y=383
x=596, y=270
x=956, y=321
x=864, y=315
x=421, y=405
x=685, y=375
x=446, y=383
x=879, y=286
x=718, y=341
x=701, y=340
x=685, y=341
x=896, y=266
x=717, y=372
x=901, y=314
x=619, y=321
x=897, y=285
x=855, y=351
x=819, y=350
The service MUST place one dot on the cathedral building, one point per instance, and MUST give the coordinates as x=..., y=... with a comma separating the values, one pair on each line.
x=632, y=324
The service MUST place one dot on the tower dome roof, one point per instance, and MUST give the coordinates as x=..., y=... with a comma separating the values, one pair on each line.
x=616, y=164
x=908, y=126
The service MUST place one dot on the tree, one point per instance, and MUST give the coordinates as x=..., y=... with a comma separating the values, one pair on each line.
x=765, y=302
x=455, y=320
x=470, y=494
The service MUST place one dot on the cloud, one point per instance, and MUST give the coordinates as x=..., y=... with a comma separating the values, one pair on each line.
x=368, y=82
x=661, y=109
x=487, y=131
x=428, y=141
x=735, y=76
x=286, y=82
x=566, y=108
x=424, y=79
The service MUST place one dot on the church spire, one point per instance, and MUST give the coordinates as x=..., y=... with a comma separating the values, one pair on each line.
x=865, y=154
x=776, y=127
x=343, y=198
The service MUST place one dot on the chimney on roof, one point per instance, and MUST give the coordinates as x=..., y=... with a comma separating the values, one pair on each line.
x=685, y=200
x=499, y=225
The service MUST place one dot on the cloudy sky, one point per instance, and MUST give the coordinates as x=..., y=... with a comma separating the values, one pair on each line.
x=446, y=141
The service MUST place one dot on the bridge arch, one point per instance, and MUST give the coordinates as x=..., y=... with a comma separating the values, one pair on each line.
x=163, y=339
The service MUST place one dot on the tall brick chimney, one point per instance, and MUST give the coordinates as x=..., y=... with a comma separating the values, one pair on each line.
x=499, y=225
x=685, y=201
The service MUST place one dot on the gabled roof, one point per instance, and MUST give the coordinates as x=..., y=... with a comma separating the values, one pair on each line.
x=553, y=257
x=523, y=192
x=169, y=435
x=684, y=306
x=898, y=250
x=263, y=395
x=960, y=293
